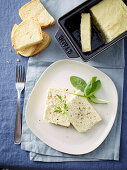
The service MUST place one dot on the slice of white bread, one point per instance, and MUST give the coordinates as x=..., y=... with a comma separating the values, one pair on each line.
x=26, y=52
x=28, y=33
x=35, y=8
x=52, y=102
x=35, y=49
x=110, y=17
x=81, y=113
x=85, y=28
x=40, y=47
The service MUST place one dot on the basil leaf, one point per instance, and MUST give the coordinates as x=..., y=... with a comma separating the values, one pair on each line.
x=89, y=86
x=94, y=97
x=88, y=89
x=90, y=100
x=92, y=87
x=93, y=79
x=78, y=83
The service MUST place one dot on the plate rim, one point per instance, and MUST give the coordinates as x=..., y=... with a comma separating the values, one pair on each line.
x=55, y=146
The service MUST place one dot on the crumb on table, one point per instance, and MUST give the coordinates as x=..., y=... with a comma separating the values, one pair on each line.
x=10, y=50
x=18, y=60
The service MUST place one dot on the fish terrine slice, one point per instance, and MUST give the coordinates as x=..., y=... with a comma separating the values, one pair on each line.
x=81, y=113
x=53, y=102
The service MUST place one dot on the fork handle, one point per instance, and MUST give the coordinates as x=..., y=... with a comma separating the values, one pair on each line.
x=17, y=132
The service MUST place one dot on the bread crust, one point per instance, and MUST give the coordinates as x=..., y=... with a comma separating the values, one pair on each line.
x=50, y=24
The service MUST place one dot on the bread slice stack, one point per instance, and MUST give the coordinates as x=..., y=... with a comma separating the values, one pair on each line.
x=28, y=38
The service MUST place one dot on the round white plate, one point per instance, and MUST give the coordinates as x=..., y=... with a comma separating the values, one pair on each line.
x=63, y=139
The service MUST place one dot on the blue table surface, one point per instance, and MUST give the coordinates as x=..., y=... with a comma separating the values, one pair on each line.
x=11, y=156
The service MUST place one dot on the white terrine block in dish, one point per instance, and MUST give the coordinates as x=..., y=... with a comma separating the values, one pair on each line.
x=81, y=113
x=85, y=28
x=110, y=17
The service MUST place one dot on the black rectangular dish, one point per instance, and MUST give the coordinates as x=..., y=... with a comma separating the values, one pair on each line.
x=69, y=33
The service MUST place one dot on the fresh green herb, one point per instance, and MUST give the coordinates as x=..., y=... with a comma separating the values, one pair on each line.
x=59, y=97
x=64, y=113
x=78, y=83
x=61, y=106
x=94, y=97
x=89, y=89
x=92, y=88
x=92, y=101
x=77, y=95
x=59, y=111
x=65, y=106
x=105, y=102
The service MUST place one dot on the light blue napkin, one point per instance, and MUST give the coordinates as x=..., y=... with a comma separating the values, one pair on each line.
x=110, y=62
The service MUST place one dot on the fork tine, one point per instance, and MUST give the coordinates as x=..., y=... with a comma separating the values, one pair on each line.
x=21, y=78
x=24, y=75
x=16, y=73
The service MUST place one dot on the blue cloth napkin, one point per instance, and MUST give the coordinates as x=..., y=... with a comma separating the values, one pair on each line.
x=111, y=62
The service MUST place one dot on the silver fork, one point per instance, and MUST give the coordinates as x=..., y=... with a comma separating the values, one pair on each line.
x=20, y=84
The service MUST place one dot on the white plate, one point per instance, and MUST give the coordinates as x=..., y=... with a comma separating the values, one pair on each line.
x=63, y=139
